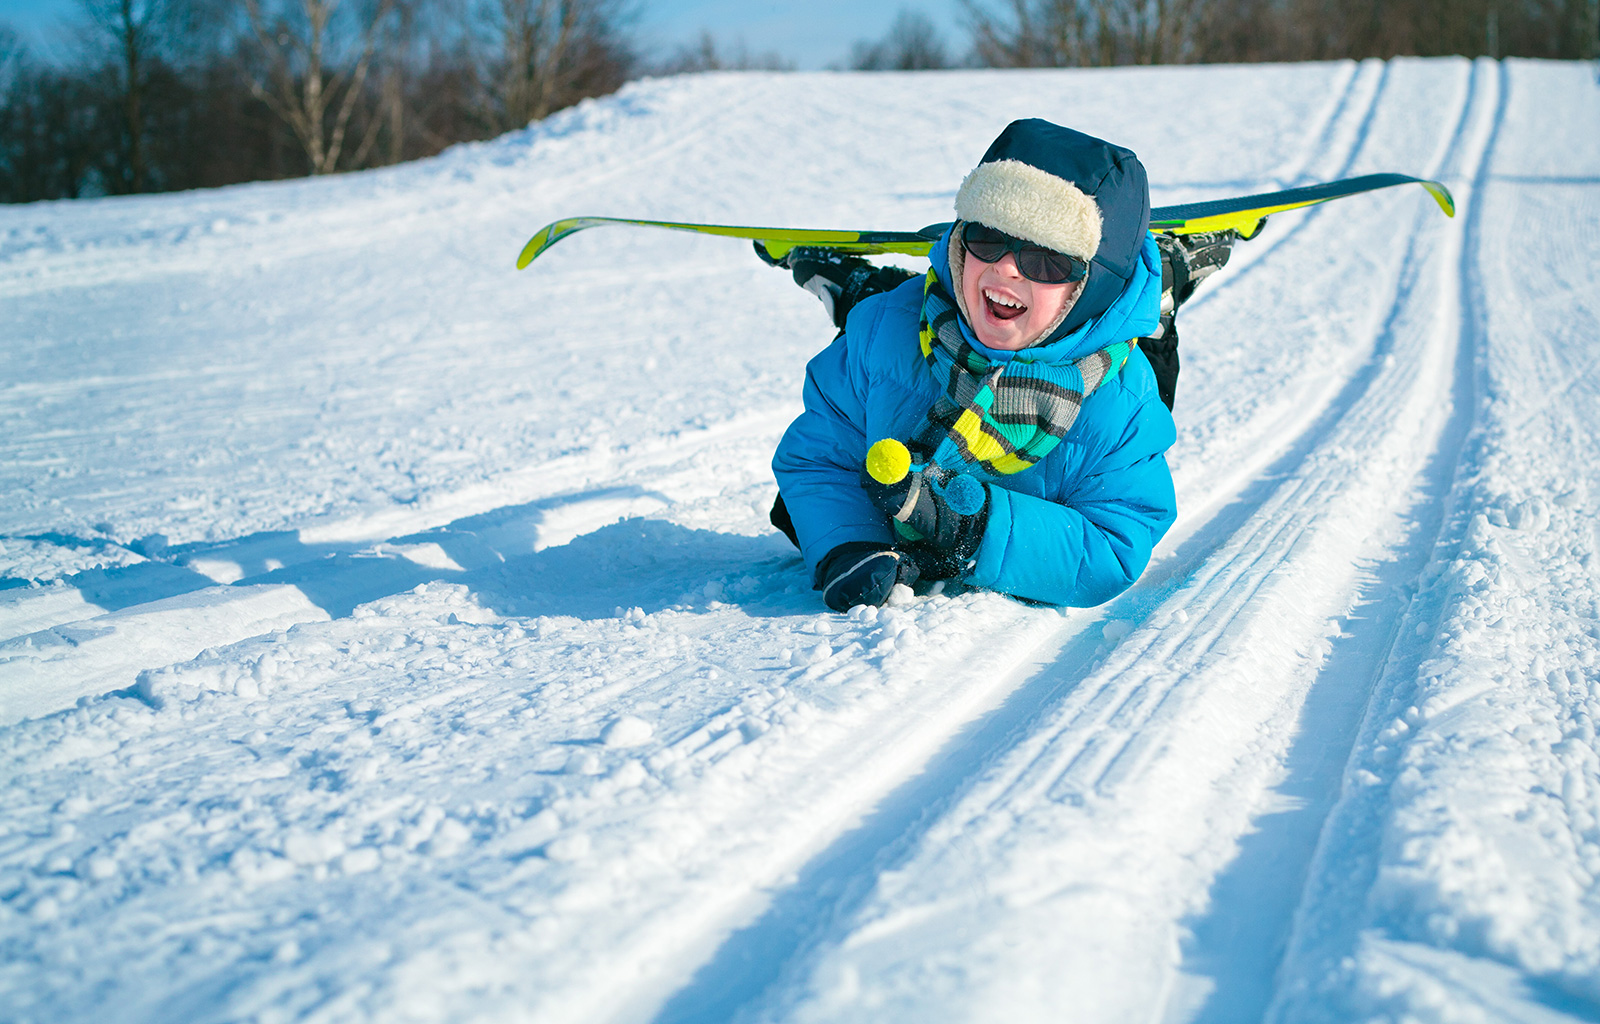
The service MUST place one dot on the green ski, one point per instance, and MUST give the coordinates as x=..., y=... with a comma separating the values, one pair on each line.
x=1245, y=215
x=777, y=240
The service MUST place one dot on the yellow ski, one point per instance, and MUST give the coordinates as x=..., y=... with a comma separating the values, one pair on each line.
x=778, y=241
x=1244, y=214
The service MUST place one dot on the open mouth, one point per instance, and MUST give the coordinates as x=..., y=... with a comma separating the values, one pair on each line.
x=1002, y=307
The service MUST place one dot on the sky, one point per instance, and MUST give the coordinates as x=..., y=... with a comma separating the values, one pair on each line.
x=811, y=33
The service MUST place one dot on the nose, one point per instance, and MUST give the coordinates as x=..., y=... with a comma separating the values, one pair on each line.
x=1007, y=265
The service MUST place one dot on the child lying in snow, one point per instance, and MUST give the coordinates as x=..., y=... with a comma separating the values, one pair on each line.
x=1015, y=429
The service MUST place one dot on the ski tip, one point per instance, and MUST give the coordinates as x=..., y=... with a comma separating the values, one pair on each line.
x=552, y=233
x=1442, y=196
x=535, y=246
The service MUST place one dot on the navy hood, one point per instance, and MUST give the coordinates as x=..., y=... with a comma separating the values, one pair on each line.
x=1113, y=177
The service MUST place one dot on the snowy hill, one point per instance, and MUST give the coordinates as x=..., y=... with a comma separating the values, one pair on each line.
x=387, y=635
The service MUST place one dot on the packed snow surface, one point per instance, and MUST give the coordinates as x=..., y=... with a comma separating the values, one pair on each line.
x=388, y=635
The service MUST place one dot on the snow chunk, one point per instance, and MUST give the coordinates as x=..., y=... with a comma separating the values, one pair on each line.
x=626, y=731
x=532, y=833
x=1532, y=515
x=40, y=559
x=448, y=839
x=307, y=849
x=98, y=868
x=812, y=655
x=359, y=860
x=568, y=848
x=629, y=774
x=254, y=867
x=865, y=614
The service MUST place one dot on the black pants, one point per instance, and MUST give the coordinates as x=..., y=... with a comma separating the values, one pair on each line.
x=780, y=518
x=1163, y=356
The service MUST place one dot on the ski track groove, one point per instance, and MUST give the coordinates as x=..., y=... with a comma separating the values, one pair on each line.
x=1319, y=140
x=1142, y=706
x=1232, y=586
x=1316, y=154
x=846, y=869
x=1399, y=664
x=1394, y=582
x=1299, y=425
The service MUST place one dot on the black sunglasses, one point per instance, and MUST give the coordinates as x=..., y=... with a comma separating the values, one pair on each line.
x=1036, y=263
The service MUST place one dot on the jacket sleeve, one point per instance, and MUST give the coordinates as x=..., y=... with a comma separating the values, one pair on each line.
x=1090, y=545
x=818, y=461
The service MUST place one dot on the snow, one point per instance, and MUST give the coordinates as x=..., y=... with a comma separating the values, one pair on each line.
x=389, y=635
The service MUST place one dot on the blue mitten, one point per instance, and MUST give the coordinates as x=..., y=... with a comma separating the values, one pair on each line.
x=940, y=515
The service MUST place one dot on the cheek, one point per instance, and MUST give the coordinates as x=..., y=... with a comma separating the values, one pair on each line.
x=1048, y=301
x=971, y=269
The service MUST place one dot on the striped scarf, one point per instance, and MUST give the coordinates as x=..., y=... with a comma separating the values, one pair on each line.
x=1003, y=417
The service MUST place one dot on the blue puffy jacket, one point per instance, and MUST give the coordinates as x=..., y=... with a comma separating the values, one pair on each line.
x=1075, y=529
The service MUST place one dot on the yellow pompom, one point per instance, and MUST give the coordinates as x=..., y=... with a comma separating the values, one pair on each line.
x=888, y=461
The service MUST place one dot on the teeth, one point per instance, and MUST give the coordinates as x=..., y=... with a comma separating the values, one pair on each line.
x=1001, y=300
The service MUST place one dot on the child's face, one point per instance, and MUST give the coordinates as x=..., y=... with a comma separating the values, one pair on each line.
x=994, y=292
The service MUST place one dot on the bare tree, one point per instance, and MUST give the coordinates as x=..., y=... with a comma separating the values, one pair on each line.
x=911, y=44
x=535, y=37
x=392, y=105
x=1036, y=33
x=705, y=55
x=130, y=41
x=170, y=94
x=1238, y=31
x=314, y=70
x=532, y=57
x=49, y=132
x=1163, y=31
x=1562, y=29
x=1073, y=33
x=12, y=56
x=167, y=94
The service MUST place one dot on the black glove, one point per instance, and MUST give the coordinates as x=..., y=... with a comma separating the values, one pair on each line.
x=863, y=572
x=838, y=280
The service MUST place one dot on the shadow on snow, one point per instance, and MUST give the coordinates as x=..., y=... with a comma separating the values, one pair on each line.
x=500, y=556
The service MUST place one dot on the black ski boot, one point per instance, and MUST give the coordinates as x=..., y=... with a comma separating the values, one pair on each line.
x=838, y=280
x=1186, y=260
